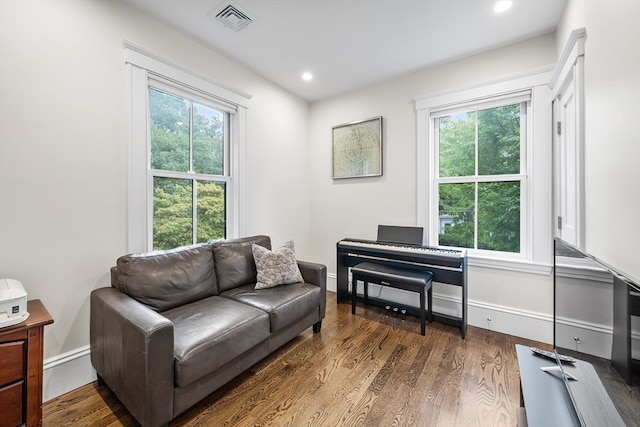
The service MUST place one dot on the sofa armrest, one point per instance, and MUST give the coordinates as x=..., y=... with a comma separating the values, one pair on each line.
x=316, y=274
x=132, y=350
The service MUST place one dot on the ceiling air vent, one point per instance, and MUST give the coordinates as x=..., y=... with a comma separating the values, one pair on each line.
x=232, y=16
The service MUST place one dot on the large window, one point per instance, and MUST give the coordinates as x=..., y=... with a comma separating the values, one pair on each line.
x=483, y=171
x=187, y=139
x=479, y=177
x=189, y=146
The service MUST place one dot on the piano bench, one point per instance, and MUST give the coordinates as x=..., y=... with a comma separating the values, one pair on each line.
x=394, y=277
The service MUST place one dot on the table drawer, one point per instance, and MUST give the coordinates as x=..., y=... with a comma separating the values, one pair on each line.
x=11, y=405
x=13, y=359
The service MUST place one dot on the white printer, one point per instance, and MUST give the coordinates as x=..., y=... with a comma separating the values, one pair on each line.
x=13, y=303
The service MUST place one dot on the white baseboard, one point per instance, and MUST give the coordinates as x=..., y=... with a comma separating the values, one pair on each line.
x=591, y=338
x=67, y=372
x=507, y=320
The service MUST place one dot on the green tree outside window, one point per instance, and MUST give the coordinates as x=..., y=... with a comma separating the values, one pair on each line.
x=188, y=140
x=479, y=200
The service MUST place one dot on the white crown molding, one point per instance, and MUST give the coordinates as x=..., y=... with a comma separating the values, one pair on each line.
x=533, y=77
x=572, y=51
x=149, y=60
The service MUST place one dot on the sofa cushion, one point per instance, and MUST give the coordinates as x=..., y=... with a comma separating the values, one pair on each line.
x=167, y=279
x=211, y=332
x=234, y=261
x=285, y=304
x=274, y=268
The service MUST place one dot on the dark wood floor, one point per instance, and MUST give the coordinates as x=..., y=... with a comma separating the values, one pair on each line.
x=370, y=369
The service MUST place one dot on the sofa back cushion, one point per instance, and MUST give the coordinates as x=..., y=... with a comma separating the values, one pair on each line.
x=168, y=279
x=234, y=261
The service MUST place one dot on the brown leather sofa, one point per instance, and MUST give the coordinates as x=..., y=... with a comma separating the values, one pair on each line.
x=176, y=325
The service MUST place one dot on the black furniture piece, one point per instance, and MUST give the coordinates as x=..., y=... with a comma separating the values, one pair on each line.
x=575, y=269
x=626, y=303
x=400, y=235
x=546, y=399
x=448, y=266
x=394, y=277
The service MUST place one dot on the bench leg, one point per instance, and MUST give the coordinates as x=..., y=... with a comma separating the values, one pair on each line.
x=365, y=284
x=354, y=293
x=354, y=289
x=430, y=300
x=422, y=310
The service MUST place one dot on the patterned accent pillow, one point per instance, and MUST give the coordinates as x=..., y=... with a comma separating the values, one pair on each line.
x=278, y=267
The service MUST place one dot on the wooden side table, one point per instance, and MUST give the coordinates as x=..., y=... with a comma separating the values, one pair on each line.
x=21, y=364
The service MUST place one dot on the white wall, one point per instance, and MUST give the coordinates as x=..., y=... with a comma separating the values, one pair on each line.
x=354, y=207
x=63, y=154
x=612, y=135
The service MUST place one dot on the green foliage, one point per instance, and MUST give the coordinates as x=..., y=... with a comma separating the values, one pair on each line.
x=499, y=216
x=171, y=134
x=186, y=137
x=457, y=145
x=173, y=212
x=499, y=140
x=457, y=202
x=496, y=132
x=208, y=140
x=212, y=215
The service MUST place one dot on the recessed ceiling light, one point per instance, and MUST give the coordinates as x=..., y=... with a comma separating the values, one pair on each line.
x=307, y=76
x=502, y=6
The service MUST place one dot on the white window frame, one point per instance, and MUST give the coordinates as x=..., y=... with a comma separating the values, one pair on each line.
x=520, y=177
x=534, y=253
x=141, y=64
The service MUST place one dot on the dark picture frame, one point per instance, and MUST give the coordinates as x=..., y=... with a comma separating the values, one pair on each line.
x=357, y=149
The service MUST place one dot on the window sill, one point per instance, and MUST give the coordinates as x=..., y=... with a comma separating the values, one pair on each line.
x=519, y=266
x=582, y=269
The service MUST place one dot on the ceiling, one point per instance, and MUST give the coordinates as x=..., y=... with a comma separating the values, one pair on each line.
x=348, y=44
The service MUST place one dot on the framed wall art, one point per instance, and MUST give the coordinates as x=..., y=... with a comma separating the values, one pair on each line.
x=357, y=149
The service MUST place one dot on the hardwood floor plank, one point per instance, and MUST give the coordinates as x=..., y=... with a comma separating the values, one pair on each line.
x=369, y=369
x=395, y=392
